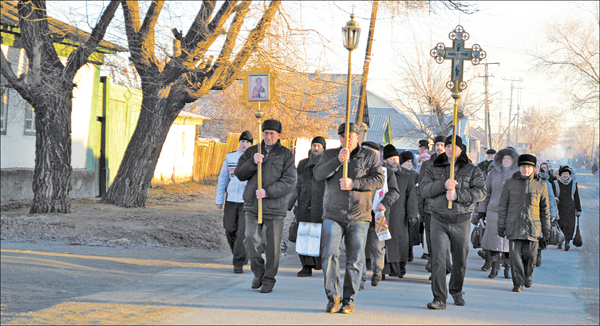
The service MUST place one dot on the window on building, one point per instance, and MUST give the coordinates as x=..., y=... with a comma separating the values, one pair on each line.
x=29, y=120
x=3, y=110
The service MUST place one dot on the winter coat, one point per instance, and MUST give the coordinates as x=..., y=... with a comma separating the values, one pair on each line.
x=345, y=206
x=493, y=185
x=228, y=181
x=414, y=234
x=400, y=212
x=423, y=202
x=523, y=211
x=551, y=198
x=389, y=197
x=484, y=166
x=469, y=190
x=308, y=193
x=278, y=179
x=568, y=206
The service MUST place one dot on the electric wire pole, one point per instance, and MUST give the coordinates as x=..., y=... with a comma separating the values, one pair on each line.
x=488, y=129
x=512, y=86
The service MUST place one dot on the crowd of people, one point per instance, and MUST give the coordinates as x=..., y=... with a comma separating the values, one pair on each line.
x=416, y=200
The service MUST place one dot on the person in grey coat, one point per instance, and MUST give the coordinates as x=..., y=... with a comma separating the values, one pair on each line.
x=278, y=181
x=505, y=165
x=523, y=216
x=450, y=227
x=347, y=212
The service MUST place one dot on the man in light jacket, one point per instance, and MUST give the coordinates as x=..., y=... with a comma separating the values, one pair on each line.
x=230, y=190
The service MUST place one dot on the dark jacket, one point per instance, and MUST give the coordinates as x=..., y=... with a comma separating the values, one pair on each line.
x=469, y=190
x=523, y=211
x=308, y=193
x=568, y=206
x=390, y=197
x=278, y=179
x=344, y=206
x=423, y=203
x=403, y=209
x=484, y=166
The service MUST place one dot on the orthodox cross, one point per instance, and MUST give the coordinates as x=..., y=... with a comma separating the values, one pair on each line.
x=458, y=53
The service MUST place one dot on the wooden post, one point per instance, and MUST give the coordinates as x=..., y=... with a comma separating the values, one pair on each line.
x=259, y=115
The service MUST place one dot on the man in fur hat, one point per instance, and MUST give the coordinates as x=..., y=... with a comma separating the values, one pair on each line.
x=278, y=181
x=450, y=227
x=523, y=215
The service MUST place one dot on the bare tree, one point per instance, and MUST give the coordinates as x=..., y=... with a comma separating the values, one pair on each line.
x=48, y=87
x=423, y=94
x=541, y=128
x=571, y=50
x=188, y=74
x=580, y=141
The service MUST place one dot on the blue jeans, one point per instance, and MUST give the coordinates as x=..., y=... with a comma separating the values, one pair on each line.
x=355, y=237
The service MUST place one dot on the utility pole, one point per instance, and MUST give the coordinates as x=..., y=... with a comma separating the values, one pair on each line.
x=512, y=86
x=518, y=114
x=488, y=129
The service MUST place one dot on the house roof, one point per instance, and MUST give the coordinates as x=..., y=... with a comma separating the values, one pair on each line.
x=400, y=123
x=61, y=32
x=188, y=118
x=377, y=128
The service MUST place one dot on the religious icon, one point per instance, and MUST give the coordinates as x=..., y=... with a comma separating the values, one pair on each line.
x=258, y=87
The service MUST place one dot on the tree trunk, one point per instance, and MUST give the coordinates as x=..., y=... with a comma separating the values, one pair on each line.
x=52, y=173
x=130, y=187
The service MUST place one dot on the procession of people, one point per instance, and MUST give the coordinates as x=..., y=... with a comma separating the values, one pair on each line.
x=388, y=202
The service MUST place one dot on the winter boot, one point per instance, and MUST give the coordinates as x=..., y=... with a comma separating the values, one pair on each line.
x=495, y=266
x=567, y=246
x=506, y=268
x=488, y=261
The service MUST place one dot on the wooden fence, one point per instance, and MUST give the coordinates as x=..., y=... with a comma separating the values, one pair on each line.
x=209, y=157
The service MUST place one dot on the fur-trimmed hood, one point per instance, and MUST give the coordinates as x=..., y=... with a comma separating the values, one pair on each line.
x=500, y=155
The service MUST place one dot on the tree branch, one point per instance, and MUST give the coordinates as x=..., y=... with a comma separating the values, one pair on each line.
x=80, y=56
x=227, y=76
x=198, y=28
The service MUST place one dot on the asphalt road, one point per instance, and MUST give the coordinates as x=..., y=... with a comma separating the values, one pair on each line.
x=48, y=283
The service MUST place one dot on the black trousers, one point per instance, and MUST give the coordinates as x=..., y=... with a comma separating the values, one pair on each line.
x=234, y=222
x=453, y=237
x=523, y=254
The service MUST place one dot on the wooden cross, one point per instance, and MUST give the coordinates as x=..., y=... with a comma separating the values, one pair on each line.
x=458, y=53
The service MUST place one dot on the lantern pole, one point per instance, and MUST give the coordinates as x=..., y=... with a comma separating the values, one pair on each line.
x=351, y=34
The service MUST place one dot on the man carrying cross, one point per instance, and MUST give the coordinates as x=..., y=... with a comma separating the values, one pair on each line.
x=450, y=226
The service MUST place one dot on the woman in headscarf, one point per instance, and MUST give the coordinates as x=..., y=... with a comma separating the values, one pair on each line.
x=569, y=206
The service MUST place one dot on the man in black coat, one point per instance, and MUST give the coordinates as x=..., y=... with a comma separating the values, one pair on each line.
x=484, y=165
x=450, y=227
x=382, y=202
x=523, y=215
x=347, y=213
x=424, y=211
x=309, y=196
x=278, y=181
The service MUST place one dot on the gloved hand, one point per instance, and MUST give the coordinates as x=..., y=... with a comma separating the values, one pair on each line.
x=501, y=234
